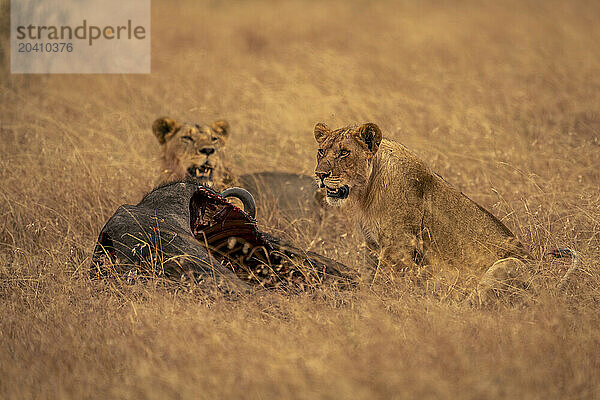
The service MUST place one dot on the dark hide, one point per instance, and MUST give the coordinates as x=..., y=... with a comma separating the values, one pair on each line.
x=183, y=228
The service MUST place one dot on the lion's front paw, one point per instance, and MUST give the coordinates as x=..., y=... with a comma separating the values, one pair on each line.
x=505, y=281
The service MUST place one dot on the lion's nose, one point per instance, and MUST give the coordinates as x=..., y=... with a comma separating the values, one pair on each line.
x=322, y=176
x=207, y=150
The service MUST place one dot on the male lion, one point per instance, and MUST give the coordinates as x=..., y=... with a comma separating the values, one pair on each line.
x=407, y=212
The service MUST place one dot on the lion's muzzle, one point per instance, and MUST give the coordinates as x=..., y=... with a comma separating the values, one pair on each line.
x=204, y=171
x=339, y=193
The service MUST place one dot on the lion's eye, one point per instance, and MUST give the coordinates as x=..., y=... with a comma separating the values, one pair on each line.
x=187, y=138
x=214, y=139
x=344, y=153
x=320, y=152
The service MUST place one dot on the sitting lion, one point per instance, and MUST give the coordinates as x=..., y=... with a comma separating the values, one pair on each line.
x=408, y=212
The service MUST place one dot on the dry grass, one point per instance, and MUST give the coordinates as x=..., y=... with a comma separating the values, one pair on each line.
x=502, y=98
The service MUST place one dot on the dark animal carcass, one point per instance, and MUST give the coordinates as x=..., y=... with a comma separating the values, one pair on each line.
x=184, y=228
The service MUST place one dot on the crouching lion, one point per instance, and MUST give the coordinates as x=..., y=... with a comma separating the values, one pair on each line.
x=407, y=212
x=191, y=150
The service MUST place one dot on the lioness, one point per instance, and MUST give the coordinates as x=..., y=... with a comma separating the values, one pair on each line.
x=407, y=212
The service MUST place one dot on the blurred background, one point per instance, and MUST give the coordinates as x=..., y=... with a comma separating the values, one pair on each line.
x=502, y=98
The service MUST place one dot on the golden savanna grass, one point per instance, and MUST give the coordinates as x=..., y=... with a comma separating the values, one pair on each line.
x=501, y=98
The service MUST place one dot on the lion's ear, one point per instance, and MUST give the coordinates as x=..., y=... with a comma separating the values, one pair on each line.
x=164, y=127
x=321, y=132
x=369, y=135
x=221, y=128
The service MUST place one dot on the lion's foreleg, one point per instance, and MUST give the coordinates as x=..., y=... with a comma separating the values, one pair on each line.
x=404, y=256
x=506, y=278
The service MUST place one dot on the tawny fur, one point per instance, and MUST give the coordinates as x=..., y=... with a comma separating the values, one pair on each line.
x=186, y=146
x=403, y=208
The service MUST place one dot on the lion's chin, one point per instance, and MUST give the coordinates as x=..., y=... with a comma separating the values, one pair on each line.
x=336, y=202
x=337, y=197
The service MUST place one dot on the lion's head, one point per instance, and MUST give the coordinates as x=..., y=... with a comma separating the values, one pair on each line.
x=191, y=150
x=344, y=160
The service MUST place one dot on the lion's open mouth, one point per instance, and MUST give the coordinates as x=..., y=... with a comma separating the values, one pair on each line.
x=339, y=193
x=203, y=171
